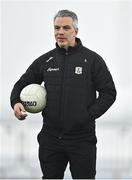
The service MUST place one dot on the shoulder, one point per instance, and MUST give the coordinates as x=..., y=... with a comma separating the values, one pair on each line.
x=46, y=56
x=94, y=57
x=41, y=60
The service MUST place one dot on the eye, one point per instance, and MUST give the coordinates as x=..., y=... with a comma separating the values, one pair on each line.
x=67, y=27
x=56, y=27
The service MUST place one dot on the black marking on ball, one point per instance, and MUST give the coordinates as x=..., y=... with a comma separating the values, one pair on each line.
x=29, y=103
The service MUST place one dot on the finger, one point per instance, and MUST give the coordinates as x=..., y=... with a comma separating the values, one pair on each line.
x=22, y=109
x=20, y=114
x=24, y=113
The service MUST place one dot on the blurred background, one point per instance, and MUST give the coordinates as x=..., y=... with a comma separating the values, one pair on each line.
x=26, y=33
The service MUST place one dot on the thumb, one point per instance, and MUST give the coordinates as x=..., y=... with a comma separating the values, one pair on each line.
x=22, y=108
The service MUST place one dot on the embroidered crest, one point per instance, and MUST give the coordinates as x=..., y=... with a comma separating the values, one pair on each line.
x=78, y=70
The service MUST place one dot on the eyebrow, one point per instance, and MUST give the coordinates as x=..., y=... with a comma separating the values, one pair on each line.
x=66, y=26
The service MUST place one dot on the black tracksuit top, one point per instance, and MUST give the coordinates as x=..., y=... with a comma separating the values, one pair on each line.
x=72, y=79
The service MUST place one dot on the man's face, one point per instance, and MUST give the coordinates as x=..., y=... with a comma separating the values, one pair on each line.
x=64, y=31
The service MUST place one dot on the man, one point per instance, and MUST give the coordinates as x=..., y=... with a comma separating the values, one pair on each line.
x=72, y=75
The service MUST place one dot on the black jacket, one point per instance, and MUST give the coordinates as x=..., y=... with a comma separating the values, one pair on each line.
x=72, y=79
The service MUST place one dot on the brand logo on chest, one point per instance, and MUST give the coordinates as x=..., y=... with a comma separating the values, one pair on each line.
x=78, y=70
x=52, y=69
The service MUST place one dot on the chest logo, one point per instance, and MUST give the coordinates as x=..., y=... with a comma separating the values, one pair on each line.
x=52, y=69
x=78, y=70
x=50, y=58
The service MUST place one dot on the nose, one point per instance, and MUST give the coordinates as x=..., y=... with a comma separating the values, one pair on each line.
x=61, y=31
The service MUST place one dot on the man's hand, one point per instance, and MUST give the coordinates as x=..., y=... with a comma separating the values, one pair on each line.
x=19, y=111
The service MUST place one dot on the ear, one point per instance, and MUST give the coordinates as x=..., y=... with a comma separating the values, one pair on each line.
x=76, y=31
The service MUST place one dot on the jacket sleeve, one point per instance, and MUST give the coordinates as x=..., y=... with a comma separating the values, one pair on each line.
x=32, y=75
x=103, y=83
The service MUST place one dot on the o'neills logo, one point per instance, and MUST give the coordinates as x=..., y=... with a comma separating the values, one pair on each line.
x=29, y=103
x=52, y=69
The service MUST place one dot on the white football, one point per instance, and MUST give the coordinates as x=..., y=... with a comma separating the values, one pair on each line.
x=33, y=97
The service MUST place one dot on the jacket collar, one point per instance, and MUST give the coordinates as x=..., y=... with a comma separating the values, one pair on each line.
x=70, y=50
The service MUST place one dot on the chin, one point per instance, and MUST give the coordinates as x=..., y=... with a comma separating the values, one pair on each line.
x=62, y=45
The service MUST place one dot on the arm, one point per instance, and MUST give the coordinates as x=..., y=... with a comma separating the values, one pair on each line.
x=104, y=84
x=32, y=75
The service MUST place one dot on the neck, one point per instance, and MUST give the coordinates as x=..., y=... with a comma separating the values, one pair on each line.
x=72, y=45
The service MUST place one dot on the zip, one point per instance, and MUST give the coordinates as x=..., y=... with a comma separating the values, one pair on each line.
x=62, y=101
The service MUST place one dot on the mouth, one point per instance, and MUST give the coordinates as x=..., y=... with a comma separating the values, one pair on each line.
x=61, y=39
